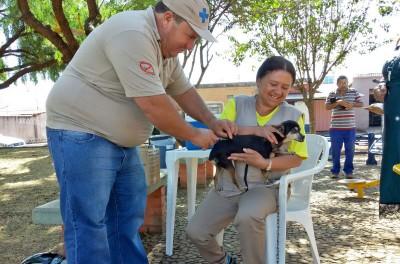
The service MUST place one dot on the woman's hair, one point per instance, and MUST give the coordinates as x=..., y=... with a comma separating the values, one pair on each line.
x=276, y=63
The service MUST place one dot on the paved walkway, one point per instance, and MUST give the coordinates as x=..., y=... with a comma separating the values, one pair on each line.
x=348, y=230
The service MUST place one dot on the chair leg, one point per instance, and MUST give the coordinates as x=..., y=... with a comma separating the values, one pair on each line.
x=191, y=173
x=311, y=236
x=304, y=218
x=172, y=189
x=271, y=237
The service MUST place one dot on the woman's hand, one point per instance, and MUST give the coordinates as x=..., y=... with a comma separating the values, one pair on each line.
x=268, y=133
x=250, y=157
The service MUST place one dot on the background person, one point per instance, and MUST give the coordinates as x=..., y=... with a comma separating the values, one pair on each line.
x=390, y=95
x=248, y=210
x=104, y=105
x=342, y=102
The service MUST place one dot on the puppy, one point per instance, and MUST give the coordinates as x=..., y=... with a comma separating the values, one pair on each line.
x=333, y=100
x=224, y=148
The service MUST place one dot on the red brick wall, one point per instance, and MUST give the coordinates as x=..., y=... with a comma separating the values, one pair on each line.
x=154, y=218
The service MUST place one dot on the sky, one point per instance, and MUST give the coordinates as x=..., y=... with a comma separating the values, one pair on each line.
x=31, y=97
x=354, y=65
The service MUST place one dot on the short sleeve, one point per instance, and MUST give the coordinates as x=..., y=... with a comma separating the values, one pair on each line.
x=178, y=82
x=134, y=60
x=229, y=111
x=357, y=96
x=330, y=96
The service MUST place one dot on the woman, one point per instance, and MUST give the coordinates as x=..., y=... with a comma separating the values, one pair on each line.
x=389, y=93
x=227, y=203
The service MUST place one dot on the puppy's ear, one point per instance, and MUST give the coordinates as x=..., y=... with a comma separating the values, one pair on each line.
x=280, y=128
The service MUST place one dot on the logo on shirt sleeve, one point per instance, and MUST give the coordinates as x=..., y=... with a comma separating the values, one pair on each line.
x=146, y=67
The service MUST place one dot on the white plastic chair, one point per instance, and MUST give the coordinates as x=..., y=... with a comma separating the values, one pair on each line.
x=297, y=208
x=172, y=158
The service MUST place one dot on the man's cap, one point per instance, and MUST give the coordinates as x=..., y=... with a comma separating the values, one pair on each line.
x=195, y=12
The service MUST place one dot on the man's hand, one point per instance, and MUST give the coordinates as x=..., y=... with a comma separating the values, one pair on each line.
x=376, y=108
x=380, y=92
x=224, y=128
x=204, y=138
x=345, y=104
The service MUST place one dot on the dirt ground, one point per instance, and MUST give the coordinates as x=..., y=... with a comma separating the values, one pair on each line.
x=27, y=180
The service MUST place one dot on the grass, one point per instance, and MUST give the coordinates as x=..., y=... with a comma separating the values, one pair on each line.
x=27, y=180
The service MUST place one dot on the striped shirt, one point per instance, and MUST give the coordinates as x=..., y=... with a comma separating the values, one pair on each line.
x=340, y=117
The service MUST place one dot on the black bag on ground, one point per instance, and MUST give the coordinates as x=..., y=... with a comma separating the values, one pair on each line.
x=45, y=258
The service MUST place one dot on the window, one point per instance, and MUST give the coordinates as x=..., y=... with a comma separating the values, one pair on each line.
x=215, y=107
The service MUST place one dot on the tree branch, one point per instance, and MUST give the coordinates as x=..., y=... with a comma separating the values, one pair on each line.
x=45, y=31
x=10, y=69
x=11, y=40
x=193, y=59
x=187, y=54
x=32, y=68
x=19, y=53
x=64, y=25
x=94, y=17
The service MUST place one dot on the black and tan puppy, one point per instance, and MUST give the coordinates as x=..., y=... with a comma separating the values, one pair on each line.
x=225, y=147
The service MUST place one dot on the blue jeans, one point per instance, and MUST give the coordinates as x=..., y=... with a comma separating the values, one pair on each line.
x=102, y=198
x=338, y=137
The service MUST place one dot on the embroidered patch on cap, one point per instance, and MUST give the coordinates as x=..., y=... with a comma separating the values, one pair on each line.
x=203, y=15
x=146, y=67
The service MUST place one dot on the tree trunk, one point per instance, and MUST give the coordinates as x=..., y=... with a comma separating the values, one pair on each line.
x=311, y=110
x=44, y=30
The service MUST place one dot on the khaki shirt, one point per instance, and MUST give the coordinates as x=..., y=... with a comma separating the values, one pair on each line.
x=121, y=59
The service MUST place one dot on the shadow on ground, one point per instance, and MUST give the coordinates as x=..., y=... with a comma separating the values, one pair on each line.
x=347, y=229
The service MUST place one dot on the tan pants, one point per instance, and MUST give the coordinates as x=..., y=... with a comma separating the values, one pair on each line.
x=247, y=211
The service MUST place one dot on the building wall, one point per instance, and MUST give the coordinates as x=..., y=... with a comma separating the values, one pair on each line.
x=304, y=109
x=223, y=93
x=31, y=128
x=322, y=116
x=363, y=84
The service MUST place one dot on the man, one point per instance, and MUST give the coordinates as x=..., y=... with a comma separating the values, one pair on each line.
x=104, y=105
x=343, y=125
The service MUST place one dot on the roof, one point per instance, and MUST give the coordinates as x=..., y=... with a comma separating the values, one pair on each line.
x=226, y=85
x=20, y=113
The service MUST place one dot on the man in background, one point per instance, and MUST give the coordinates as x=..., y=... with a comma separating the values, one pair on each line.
x=342, y=102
